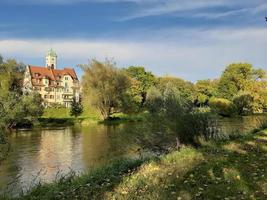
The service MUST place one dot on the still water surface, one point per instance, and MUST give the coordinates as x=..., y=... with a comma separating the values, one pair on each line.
x=41, y=155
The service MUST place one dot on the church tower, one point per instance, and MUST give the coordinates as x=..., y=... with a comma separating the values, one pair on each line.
x=51, y=59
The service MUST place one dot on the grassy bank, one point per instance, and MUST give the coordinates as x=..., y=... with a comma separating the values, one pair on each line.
x=54, y=117
x=223, y=170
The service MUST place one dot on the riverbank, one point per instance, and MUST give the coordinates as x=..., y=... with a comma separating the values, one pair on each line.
x=223, y=170
x=58, y=117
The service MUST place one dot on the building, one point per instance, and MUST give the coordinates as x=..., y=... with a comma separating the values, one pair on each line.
x=56, y=86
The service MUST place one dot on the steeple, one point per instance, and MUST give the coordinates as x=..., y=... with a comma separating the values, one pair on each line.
x=51, y=59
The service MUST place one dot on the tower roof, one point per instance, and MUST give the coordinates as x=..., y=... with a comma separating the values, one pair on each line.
x=51, y=53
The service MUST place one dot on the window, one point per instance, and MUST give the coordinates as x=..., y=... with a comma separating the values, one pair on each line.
x=66, y=78
x=45, y=96
x=66, y=85
x=51, y=96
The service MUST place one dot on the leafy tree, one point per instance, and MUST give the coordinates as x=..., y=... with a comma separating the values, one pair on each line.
x=243, y=103
x=106, y=86
x=223, y=107
x=185, y=88
x=76, y=108
x=237, y=77
x=16, y=108
x=205, y=89
x=242, y=77
x=175, y=113
x=141, y=81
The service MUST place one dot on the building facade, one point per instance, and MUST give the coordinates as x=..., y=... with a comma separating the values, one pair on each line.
x=56, y=86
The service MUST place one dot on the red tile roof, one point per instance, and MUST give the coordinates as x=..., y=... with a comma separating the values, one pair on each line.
x=52, y=74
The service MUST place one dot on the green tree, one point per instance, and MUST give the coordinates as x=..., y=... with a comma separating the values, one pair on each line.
x=176, y=114
x=237, y=77
x=105, y=85
x=141, y=81
x=243, y=103
x=223, y=107
x=205, y=89
x=76, y=108
x=242, y=77
x=185, y=88
x=16, y=108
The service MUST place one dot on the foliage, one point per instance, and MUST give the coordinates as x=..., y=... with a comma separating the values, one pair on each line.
x=16, y=108
x=141, y=81
x=76, y=108
x=205, y=89
x=222, y=106
x=185, y=88
x=106, y=86
x=176, y=113
x=235, y=78
x=243, y=103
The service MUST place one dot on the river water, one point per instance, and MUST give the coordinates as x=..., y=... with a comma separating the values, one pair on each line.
x=42, y=155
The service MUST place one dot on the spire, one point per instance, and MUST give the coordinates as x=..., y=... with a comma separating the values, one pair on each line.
x=51, y=59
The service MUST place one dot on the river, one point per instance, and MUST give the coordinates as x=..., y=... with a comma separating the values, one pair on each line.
x=44, y=154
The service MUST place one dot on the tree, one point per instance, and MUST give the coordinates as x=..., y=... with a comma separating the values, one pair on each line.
x=16, y=108
x=141, y=81
x=223, y=107
x=205, y=89
x=185, y=88
x=106, y=86
x=243, y=103
x=76, y=108
x=242, y=77
x=237, y=77
x=176, y=114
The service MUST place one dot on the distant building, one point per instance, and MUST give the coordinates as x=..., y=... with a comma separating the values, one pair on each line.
x=56, y=86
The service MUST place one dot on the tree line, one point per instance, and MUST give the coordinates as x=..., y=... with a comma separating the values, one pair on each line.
x=241, y=90
x=181, y=107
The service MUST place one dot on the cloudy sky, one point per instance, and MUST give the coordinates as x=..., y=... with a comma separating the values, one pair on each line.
x=191, y=39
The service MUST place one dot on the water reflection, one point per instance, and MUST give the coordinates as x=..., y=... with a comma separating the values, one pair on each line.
x=39, y=155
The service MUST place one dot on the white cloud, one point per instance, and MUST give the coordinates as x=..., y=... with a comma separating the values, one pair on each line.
x=191, y=54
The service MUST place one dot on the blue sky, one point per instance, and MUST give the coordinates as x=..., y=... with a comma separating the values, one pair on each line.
x=192, y=39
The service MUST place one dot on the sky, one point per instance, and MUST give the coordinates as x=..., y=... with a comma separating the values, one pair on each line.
x=190, y=39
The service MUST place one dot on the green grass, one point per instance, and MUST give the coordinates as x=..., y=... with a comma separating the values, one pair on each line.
x=224, y=170
x=61, y=117
x=56, y=113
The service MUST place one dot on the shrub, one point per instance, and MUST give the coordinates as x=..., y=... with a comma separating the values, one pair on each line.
x=243, y=103
x=222, y=107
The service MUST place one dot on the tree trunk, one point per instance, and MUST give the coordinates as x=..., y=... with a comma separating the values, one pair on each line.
x=178, y=144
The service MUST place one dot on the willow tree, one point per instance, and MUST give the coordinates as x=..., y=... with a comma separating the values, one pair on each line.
x=105, y=86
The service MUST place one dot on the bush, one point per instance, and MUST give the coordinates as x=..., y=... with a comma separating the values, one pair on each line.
x=178, y=117
x=243, y=103
x=222, y=107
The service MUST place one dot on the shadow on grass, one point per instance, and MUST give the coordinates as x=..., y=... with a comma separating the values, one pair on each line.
x=237, y=171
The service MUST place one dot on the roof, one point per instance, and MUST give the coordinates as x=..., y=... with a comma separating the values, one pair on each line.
x=52, y=74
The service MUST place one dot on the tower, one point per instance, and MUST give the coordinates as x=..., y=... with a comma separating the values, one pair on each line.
x=51, y=59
